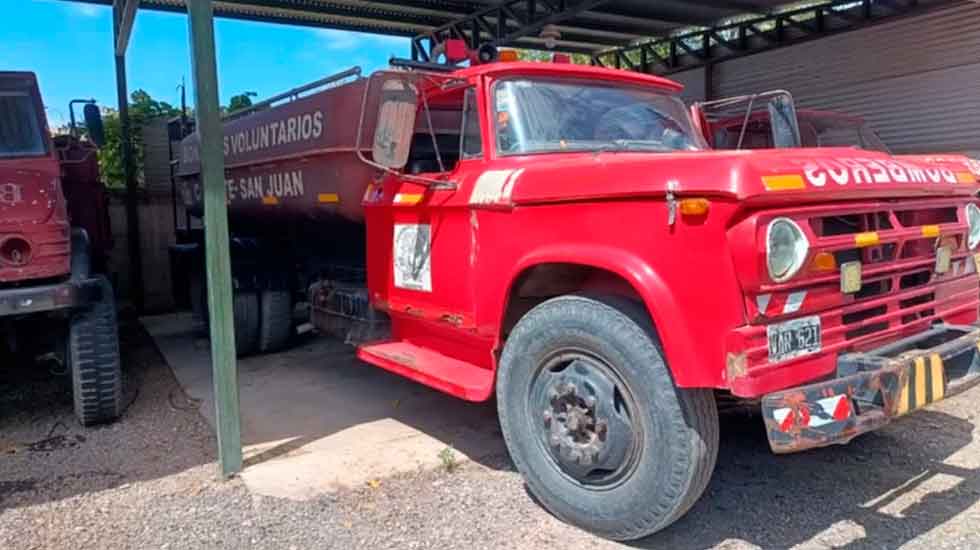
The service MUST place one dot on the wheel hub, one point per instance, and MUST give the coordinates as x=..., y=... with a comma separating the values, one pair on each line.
x=586, y=423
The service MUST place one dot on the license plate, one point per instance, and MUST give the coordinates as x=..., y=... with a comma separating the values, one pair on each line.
x=793, y=338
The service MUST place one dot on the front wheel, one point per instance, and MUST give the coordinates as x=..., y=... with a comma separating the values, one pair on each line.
x=594, y=422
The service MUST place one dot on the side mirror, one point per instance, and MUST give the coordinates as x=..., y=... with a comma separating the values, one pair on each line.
x=93, y=122
x=785, y=125
x=396, y=123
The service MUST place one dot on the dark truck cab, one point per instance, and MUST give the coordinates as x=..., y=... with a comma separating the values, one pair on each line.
x=51, y=300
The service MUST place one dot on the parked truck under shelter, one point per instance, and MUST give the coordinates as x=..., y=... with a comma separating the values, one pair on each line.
x=55, y=300
x=562, y=237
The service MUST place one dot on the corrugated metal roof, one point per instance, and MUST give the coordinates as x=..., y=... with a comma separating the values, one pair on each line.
x=606, y=24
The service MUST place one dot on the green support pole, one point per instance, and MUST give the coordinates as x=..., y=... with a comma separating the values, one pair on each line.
x=217, y=259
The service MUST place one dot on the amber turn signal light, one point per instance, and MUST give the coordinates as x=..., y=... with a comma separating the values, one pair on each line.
x=823, y=261
x=694, y=207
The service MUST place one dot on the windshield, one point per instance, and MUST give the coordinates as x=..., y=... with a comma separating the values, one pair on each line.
x=20, y=127
x=534, y=116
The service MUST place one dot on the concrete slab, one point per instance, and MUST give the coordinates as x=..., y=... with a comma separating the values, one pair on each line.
x=315, y=419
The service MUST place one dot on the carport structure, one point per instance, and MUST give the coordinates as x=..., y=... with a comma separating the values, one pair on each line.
x=660, y=37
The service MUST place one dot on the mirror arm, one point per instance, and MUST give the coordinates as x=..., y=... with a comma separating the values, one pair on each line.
x=745, y=122
x=432, y=132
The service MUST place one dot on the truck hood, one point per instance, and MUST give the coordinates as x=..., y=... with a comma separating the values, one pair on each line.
x=754, y=177
x=29, y=193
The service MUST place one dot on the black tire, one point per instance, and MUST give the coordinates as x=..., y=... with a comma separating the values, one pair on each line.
x=93, y=359
x=246, y=306
x=657, y=443
x=277, y=320
x=199, y=305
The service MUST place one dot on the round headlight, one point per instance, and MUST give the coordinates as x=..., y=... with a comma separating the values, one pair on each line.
x=972, y=225
x=786, y=248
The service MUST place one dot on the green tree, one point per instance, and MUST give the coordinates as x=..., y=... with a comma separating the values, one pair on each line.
x=545, y=56
x=240, y=101
x=142, y=109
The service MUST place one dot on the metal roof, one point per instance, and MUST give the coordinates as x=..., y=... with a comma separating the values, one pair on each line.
x=652, y=36
x=584, y=25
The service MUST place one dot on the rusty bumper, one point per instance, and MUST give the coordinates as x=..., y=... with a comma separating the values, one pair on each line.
x=873, y=387
x=51, y=297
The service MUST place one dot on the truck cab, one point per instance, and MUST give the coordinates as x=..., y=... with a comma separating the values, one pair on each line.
x=53, y=303
x=578, y=249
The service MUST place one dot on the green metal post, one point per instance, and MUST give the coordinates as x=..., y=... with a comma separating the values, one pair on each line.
x=129, y=170
x=217, y=259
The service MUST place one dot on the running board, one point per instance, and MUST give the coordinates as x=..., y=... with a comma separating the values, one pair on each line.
x=452, y=376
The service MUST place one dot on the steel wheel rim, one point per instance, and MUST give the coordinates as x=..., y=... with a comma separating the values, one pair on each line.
x=585, y=419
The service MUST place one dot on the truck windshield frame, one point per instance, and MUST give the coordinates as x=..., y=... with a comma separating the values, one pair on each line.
x=533, y=115
x=21, y=126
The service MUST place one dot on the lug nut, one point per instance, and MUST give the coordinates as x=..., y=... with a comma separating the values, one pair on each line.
x=547, y=418
x=601, y=429
x=554, y=440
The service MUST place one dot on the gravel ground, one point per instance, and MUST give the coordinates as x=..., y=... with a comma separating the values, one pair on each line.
x=149, y=482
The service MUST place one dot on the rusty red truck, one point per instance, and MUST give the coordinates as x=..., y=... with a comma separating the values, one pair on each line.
x=54, y=240
x=563, y=238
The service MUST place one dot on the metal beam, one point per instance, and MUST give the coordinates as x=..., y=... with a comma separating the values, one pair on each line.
x=706, y=46
x=216, y=240
x=133, y=240
x=127, y=11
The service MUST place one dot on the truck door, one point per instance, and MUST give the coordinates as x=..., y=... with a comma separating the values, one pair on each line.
x=419, y=234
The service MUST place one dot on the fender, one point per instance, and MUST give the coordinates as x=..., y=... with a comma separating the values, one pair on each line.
x=646, y=282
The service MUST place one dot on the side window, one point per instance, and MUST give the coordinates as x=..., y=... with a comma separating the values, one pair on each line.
x=470, y=142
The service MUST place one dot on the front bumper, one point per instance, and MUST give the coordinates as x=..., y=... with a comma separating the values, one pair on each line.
x=873, y=387
x=50, y=297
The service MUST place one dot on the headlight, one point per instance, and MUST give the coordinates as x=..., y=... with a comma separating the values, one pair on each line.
x=786, y=248
x=972, y=225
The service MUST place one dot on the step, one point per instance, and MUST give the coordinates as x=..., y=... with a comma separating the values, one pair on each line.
x=455, y=377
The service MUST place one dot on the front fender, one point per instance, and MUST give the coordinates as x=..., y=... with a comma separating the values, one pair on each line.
x=668, y=316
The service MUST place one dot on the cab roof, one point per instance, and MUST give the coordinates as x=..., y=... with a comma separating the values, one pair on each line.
x=530, y=68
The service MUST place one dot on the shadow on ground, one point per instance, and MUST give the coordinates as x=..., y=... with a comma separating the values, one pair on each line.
x=881, y=491
x=45, y=455
x=315, y=419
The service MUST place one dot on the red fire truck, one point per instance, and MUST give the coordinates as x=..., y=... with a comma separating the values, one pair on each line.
x=563, y=238
x=54, y=240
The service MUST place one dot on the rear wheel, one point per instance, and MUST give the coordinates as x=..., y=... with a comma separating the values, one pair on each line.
x=247, y=322
x=93, y=359
x=594, y=423
x=277, y=319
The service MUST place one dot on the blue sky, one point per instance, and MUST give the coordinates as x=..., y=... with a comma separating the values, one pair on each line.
x=69, y=46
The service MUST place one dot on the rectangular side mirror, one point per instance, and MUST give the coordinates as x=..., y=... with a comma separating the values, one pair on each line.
x=93, y=123
x=396, y=123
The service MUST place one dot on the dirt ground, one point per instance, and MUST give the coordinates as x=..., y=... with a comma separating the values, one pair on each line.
x=149, y=481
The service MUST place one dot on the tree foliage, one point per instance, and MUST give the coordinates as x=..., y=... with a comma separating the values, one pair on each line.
x=240, y=101
x=142, y=110
x=545, y=56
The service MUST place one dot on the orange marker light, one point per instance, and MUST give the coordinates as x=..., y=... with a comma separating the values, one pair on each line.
x=507, y=55
x=694, y=207
x=823, y=261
